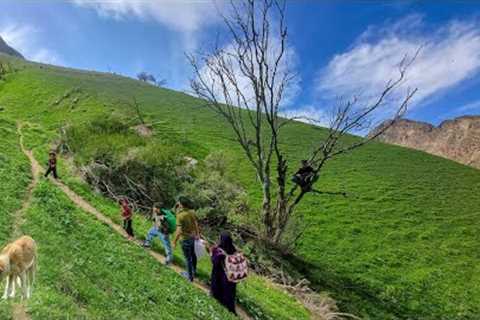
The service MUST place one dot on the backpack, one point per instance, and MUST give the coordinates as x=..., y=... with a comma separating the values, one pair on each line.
x=236, y=266
x=170, y=220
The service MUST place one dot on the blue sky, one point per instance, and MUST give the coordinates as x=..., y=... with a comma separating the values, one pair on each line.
x=339, y=48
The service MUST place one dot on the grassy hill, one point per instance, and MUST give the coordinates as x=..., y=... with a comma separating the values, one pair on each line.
x=85, y=270
x=403, y=245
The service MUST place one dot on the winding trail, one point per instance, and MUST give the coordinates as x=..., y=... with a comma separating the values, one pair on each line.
x=19, y=311
x=36, y=169
x=84, y=205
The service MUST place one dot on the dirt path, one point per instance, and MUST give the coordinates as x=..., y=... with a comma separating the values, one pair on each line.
x=81, y=203
x=19, y=312
x=36, y=169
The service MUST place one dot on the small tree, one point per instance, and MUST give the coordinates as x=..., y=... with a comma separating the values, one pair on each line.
x=161, y=83
x=150, y=78
x=246, y=83
x=143, y=76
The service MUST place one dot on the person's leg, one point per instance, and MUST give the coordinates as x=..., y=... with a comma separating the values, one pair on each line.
x=167, y=246
x=54, y=171
x=152, y=233
x=194, y=259
x=233, y=297
x=130, y=228
x=187, y=249
x=48, y=171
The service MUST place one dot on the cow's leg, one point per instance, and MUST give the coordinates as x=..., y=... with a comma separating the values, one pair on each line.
x=23, y=285
x=32, y=273
x=29, y=283
x=13, y=282
x=7, y=285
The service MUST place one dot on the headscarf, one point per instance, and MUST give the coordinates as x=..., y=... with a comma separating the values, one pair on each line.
x=226, y=243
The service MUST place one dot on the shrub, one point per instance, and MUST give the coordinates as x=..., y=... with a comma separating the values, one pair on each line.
x=218, y=199
x=145, y=175
x=120, y=163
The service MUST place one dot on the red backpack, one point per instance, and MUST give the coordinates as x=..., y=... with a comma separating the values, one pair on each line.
x=236, y=266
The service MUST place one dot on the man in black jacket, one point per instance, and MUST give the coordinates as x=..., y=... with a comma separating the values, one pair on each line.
x=304, y=175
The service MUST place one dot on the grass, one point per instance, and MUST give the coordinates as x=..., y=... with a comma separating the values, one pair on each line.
x=258, y=296
x=403, y=244
x=87, y=271
x=14, y=177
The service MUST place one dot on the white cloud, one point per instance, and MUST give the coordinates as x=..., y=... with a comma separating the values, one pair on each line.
x=449, y=56
x=179, y=15
x=308, y=114
x=24, y=38
x=470, y=107
x=287, y=65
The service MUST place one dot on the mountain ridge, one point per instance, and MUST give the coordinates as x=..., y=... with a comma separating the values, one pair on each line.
x=6, y=49
x=456, y=139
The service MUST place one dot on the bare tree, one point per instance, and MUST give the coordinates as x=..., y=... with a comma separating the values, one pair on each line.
x=246, y=83
x=161, y=82
x=143, y=76
x=150, y=78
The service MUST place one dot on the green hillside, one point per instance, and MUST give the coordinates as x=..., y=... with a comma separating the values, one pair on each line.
x=84, y=264
x=403, y=245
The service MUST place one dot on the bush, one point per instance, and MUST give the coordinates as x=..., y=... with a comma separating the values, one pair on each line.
x=120, y=163
x=145, y=175
x=218, y=199
x=108, y=125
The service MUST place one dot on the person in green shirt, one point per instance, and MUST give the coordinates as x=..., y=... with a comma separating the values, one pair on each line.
x=162, y=227
x=188, y=231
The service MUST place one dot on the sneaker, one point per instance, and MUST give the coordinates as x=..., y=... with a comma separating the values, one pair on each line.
x=168, y=262
x=146, y=245
x=186, y=276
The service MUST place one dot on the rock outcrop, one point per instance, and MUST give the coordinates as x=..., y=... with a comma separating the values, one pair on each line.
x=457, y=139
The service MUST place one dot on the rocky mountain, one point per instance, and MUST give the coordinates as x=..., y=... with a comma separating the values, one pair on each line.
x=5, y=48
x=457, y=139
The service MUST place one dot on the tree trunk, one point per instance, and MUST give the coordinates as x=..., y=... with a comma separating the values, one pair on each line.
x=268, y=217
x=282, y=219
x=284, y=213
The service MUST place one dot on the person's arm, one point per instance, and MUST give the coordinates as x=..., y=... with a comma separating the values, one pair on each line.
x=178, y=232
x=197, y=229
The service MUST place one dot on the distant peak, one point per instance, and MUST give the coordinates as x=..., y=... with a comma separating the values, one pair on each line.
x=457, y=139
x=6, y=49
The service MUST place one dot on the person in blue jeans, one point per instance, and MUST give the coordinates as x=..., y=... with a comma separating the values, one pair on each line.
x=160, y=230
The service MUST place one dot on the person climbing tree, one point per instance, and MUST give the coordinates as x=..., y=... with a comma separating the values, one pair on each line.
x=52, y=165
x=127, y=215
x=303, y=177
x=188, y=231
x=164, y=223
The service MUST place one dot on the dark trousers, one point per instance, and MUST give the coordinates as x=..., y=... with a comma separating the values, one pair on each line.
x=127, y=225
x=188, y=247
x=52, y=170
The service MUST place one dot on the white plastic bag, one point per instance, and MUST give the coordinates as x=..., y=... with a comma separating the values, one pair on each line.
x=200, y=249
